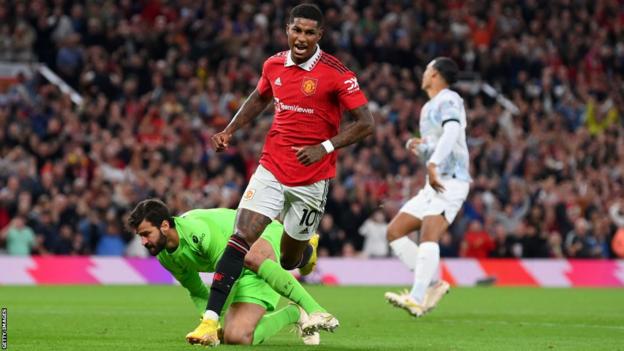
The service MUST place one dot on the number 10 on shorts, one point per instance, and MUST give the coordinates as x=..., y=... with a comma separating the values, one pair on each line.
x=309, y=217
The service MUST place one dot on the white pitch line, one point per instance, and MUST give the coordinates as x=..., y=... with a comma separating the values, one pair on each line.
x=537, y=324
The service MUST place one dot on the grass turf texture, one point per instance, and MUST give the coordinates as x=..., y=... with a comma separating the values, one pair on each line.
x=157, y=318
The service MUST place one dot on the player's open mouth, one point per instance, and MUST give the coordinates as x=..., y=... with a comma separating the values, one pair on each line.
x=299, y=50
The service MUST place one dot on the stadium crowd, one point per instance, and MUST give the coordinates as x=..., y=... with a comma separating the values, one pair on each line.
x=160, y=77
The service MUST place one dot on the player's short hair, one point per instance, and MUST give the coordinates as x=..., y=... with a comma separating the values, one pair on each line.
x=309, y=11
x=151, y=210
x=447, y=68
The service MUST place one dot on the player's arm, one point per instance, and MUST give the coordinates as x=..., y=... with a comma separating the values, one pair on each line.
x=197, y=290
x=353, y=100
x=362, y=126
x=252, y=107
x=191, y=281
x=359, y=129
x=445, y=144
x=451, y=129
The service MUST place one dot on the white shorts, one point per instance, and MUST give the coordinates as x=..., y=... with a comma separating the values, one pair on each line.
x=300, y=208
x=428, y=202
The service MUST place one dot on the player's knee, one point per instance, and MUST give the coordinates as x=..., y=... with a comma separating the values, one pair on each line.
x=253, y=260
x=393, y=233
x=237, y=336
x=433, y=229
x=289, y=262
x=431, y=236
x=255, y=257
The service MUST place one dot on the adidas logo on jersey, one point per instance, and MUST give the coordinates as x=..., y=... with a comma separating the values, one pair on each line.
x=304, y=231
x=278, y=82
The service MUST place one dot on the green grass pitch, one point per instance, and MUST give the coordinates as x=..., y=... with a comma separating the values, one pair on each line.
x=157, y=318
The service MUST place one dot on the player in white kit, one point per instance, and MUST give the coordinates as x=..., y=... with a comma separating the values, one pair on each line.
x=442, y=145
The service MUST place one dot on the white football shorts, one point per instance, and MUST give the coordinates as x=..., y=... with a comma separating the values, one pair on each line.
x=299, y=208
x=428, y=202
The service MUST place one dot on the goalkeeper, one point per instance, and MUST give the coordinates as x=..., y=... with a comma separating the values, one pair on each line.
x=195, y=241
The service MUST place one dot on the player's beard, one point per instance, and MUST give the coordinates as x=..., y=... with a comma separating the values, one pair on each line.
x=155, y=249
x=302, y=55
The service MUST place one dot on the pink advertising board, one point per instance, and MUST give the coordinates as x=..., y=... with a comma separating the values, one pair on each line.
x=339, y=271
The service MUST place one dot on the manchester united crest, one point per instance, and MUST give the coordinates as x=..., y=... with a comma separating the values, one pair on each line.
x=308, y=86
x=249, y=194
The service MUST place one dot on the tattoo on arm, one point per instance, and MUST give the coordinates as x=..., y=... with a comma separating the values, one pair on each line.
x=356, y=131
x=252, y=107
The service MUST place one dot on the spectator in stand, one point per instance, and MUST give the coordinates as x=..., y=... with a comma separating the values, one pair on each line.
x=448, y=247
x=580, y=243
x=617, y=244
x=535, y=243
x=20, y=238
x=111, y=244
x=65, y=241
x=477, y=242
x=616, y=212
x=374, y=232
x=502, y=243
x=555, y=246
x=331, y=238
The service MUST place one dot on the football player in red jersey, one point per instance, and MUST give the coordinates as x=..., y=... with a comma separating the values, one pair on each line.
x=309, y=89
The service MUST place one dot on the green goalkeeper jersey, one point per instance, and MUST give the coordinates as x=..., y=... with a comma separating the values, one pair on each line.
x=204, y=234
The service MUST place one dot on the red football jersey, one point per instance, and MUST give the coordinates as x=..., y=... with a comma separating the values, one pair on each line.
x=309, y=99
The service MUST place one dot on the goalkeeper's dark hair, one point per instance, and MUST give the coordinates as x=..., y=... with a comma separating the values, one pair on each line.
x=151, y=210
x=308, y=11
x=447, y=68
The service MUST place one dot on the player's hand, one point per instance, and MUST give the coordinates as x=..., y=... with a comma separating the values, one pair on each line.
x=433, y=178
x=308, y=155
x=412, y=144
x=221, y=141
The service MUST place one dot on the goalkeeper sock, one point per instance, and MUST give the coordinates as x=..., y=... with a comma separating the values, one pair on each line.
x=406, y=250
x=273, y=322
x=426, y=265
x=286, y=285
x=228, y=269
